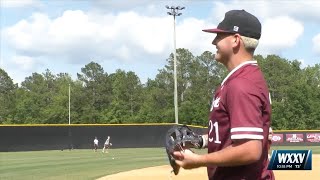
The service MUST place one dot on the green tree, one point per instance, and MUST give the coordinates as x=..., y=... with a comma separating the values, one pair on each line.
x=7, y=97
x=57, y=111
x=206, y=74
x=126, y=101
x=293, y=96
x=97, y=91
x=158, y=100
x=32, y=99
x=97, y=97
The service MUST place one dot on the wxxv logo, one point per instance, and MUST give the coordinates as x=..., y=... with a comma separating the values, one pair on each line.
x=291, y=160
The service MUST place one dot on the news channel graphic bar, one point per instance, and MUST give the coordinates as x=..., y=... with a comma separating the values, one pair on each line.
x=291, y=160
x=295, y=137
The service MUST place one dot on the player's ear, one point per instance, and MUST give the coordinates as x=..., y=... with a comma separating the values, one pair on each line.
x=236, y=40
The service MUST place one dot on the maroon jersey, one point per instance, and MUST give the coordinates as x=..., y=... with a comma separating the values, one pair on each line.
x=241, y=110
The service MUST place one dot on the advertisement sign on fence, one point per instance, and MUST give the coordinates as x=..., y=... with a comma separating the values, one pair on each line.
x=313, y=137
x=277, y=138
x=294, y=137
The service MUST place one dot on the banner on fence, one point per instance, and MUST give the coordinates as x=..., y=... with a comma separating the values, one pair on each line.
x=313, y=137
x=294, y=138
x=277, y=138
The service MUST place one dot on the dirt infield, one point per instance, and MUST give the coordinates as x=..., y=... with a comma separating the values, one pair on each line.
x=163, y=173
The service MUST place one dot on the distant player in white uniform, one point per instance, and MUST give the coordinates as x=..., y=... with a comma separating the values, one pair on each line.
x=95, y=144
x=107, y=145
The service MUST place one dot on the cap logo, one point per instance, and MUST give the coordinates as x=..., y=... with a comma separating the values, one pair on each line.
x=235, y=28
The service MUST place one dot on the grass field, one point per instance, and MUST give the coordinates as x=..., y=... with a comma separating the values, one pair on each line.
x=85, y=164
x=315, y=149
x=76, y=164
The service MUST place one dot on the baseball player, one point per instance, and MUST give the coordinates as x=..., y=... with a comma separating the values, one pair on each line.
x=95, y=144
x=239, y=119
x=107, y=144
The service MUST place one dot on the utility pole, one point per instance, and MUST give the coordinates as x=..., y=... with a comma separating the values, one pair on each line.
x=174, y=12
x=69, y=106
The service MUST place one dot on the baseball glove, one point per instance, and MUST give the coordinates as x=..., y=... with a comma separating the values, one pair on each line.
x=179, y=138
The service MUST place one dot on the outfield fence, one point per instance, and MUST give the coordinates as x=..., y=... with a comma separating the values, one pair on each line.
x=80, y=136
x=296, y=138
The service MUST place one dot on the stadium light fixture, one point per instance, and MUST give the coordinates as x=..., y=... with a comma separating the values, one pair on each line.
x=174, y=12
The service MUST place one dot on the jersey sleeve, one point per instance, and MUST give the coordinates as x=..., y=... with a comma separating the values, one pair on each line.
x=245, y=104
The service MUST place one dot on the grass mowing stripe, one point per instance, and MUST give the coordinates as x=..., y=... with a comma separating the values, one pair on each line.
x=86, y=164
x=76, y=164
x=315, y=149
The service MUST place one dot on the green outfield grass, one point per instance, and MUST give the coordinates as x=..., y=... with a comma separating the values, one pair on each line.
x=76, y=164
x=315, y=149
x=85, y=164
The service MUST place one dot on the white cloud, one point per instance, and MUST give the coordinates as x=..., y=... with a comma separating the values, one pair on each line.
x=123, y=53
x=191, y=36
x=316, y=44
x=303, y=63
x=77, y=36
x=306, y=10
x=278, y=34
x=1, y=63
x=123, y=34
x=116, y=4
x=144, y=7
x=20, y=3
x=281, y=20
x=24, y=62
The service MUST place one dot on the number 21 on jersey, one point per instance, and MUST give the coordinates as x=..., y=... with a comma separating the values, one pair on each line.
x=216, y=131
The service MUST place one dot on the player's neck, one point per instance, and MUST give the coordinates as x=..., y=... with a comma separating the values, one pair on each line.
x=238, y=59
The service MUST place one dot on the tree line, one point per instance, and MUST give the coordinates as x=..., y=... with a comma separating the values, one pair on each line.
x=120, y=97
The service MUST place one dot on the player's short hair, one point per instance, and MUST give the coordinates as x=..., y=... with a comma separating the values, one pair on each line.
x=250, y=44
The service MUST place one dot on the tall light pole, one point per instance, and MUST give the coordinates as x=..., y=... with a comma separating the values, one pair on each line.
x=174, y=12
x=69, y=106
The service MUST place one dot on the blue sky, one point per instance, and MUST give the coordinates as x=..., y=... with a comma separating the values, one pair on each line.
x=137, y=35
